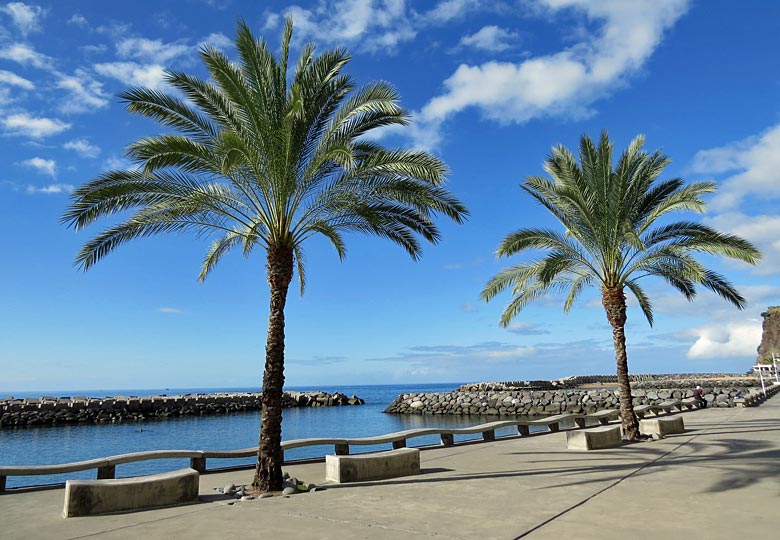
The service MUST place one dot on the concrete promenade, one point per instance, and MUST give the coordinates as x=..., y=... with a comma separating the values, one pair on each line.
x=721, y=479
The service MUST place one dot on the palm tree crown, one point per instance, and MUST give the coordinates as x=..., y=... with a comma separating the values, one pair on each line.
x=266, y=158
x=264, y=163
x=612, y=238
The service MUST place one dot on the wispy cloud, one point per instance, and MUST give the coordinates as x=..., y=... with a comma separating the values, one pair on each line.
x=372, y=25
x=12, y=79
x=526, y=329
x=171, y=310
x=133, y=73
x=218, y=41
x=25, y=17
x=753, y=162
x=25, y=55
x=83, y=148
x=151, y=50
x=51, y=189
x=85, y=93
x=490, y=38
x=78, y=20
x=34, y=127
x=43, y=166
x=748, y=192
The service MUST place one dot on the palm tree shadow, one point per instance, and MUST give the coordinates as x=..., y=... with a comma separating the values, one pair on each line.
x=744, y=462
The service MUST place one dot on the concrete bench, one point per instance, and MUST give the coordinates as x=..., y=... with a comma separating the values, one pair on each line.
x=661, y=427
x=94, y=497
x=641, y=410
x=379, y=466
x=603, y=416
x=594, y=438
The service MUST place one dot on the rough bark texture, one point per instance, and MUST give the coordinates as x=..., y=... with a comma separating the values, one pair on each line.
x=614, y=302
x=770, y=338
x=268, y=472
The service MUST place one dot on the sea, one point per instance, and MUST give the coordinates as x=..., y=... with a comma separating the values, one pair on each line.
x=78, y=442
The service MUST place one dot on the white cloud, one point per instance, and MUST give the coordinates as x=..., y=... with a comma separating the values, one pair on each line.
x=12, y=79
x=756, y=162
x=562, y=83
x=373, y=24
x=30, y=126
x=133, y=74
x=83, y=148
x=43, y=166
x=25, y=17
x=51, y=189
x=25, y=55
x=149, y=50
x=490, y=38
x=721, y=341
x=171, y=310
x=78, y=20
x=218, y=41
x=86, y=94
x=448, y=10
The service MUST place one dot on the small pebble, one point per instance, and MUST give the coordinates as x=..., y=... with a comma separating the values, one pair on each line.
x=266, y=495
x=247, y=498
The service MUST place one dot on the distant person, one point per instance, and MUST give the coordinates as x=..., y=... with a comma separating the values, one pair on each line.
x=698, y=395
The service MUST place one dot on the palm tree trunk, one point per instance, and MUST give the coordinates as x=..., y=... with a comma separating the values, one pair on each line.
x=268, y=471
x=614, y=302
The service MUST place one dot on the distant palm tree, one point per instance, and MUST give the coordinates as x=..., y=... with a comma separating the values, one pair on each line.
x=268, y=161
x=611, y=240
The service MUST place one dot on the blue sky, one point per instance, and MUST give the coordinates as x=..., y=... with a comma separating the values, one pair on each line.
x=492, y=86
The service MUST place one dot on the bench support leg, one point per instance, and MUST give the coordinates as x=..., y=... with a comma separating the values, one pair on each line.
x=447, y=439
x=489, y=435
x=399, y=444
x=2, y=483
x=342, y=449
x=580, y=422
x=106, y=473
x=523, y=431
x=554, y=428
x=198, y=463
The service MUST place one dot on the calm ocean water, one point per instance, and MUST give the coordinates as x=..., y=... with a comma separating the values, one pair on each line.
x=61, y=444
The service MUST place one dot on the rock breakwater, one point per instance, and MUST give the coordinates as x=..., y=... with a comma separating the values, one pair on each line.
x=672, y=380
x=545, y=402
x=48, y=410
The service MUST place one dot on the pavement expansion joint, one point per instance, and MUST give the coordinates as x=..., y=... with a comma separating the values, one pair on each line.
x=646, y=465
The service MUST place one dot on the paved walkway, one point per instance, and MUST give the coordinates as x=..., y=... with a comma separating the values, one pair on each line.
x=721, y=479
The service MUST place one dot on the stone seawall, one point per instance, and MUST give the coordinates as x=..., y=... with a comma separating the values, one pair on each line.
x=70, y=410
x=546, y=402
x=652, y=379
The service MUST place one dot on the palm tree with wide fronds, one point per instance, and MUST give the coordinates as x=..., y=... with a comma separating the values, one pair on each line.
x=612, y=238
x=262, y=159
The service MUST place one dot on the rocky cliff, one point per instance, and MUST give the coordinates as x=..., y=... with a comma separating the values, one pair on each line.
x=770, y=339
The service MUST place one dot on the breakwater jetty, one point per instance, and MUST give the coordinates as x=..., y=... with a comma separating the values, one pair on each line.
x=512, y=398
x=48, y=410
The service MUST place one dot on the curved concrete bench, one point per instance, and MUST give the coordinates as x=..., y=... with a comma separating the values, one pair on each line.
x=106, y=467
x=660, y=427
x=379, y=466
x=93, y=497
x=594, y=438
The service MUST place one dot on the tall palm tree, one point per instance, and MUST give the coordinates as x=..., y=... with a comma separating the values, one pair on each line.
x=611, y=240
x=265, y=160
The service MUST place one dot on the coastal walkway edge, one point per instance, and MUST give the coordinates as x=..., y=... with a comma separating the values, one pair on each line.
x=106, y=466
